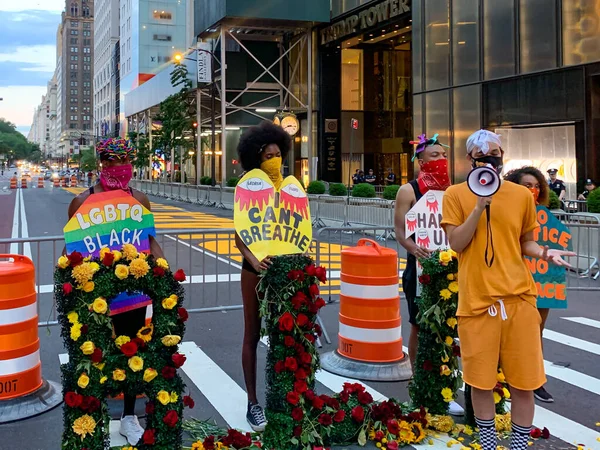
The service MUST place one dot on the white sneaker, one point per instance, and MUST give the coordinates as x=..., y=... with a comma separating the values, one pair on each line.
x=131, y=429
x=454, y=409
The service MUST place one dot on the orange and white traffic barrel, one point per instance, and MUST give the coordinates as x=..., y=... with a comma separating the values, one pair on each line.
x=56, y=182
x=40, y=183
x=370, y=325
x=73, y=181
x=13, y=183
x=64, y=182
x=23, y=183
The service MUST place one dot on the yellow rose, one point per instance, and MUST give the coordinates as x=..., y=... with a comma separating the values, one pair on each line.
x=103, y=252
x=446, y=358
x=88, y=347
x=76, y=331
x=149, y=375
x=453, y=287
x=174, y=397
x=136, y=363
x=100, y=306
x=163, y=397
x=446, y=294
x=139, y=268
x=130, y=252
x=119, y=375
x=445, y=370
x=445, y=257
x=449, y=341
x=506, y=393
x=453, y=253
x=73, y=317
x=452, y=322
x=83, y=381
x=447, y=394
x=63, y=262
x=450, y=277
x=122, y=340
x=500, y=377
x=121, y=271
x=169, y=303
x=89, y=287
x=99, y=366
x=95, y=267
x=170, y=340
x=162, y=263
x=497, y=397
x=118, y=256
x=103, y=379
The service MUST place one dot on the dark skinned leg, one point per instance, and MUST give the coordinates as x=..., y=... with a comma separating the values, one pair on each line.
x=251, y=332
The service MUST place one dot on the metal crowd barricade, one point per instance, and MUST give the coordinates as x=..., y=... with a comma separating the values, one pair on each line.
x=585, y=238
x=576, y=206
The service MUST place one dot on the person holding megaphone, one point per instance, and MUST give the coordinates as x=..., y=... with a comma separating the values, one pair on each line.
x=490, y=224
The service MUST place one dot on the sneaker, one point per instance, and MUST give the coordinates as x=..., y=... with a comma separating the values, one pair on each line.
x=131, y=429
x=454, y=409
x=256, y=417
x=543, y=395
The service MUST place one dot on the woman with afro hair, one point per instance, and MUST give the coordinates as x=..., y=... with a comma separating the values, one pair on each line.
x=263, y=147
x=535, y=181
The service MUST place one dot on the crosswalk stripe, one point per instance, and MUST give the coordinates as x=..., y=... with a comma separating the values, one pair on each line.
x=226, y=396
x=583, y=321
x=572, y=341
x=573, y=377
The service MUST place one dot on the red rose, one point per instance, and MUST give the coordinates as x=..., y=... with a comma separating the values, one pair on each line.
x=168, y=372
x=301, y=374
x=325, y=420
x=279, y=366
x=300, y=386
x=129, y=349
x=179, y=276
x=299, y=300
x=319, y=303
x=428, y=366
x=84, y=329
x=311, y=270
x=310, y=338
x=291, y=364
x=289, y=341
x=456, y=350
x=209, y=443
x=286, y=322
x=339, y=416
x=310, y=395
x=90, y=404
x=314, y=290
x=297, y=430
x=97, y=355
x=158, y=272
x=318, y=329
x=292, y=398
x=150, y=408
x=108, y=259
x=148, y=437
x=424, y=279
x=139, y=342
x=321, y=274
x=535, y=433
x=75, y=259
x=67, y=288
x=302, y=320
x=392, y=445
x=332, y=403
x=73, y=400
x=297, y=414
x=178, y=359
x=344, y=396
x=318, y=403
x=171, y=418
x=393, y=427
x=296, y=275
x=358, y=414
x=379, y=436
x=545, y=433
x=189, y=402
x=306, y=358
x=183, y=314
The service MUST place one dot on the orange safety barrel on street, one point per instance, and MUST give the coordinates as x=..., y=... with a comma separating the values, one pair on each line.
x=13, y=183
x=56, y=182
x=20, y=366
x=23, y=183
x=370, y=322
x=40, y=183
x=73, y=181
x=64, y=182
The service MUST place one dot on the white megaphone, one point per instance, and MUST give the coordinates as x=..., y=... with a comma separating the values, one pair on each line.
x=483, y=181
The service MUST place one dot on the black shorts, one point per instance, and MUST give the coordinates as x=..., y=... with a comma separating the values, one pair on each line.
x=130, y=322
x=409, y=286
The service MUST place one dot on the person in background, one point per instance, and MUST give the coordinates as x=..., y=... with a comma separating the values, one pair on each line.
x=556, y=185
x=589, y=187
x=534, y=180
x=90, y=176
x=371, y=178
x=355, y=179
x=391, y=177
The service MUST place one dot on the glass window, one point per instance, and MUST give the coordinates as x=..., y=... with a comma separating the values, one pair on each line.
x=161, y=15
x=581, y=31
x=538, y=31
x=437, y=45
x=465, y=45
x=499, y=38
x=352, y=80
x=417, y=46
x=339, y=7
x=437, y=115
x=467, y=120
x=417, y=115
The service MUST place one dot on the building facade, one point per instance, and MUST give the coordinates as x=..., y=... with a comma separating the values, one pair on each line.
x=105, y=80
x=527, y=69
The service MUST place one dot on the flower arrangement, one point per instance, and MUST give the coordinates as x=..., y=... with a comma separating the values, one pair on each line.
x=102, y=364
x=437, y=376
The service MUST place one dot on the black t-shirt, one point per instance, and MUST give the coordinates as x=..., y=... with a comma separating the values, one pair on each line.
x=391, y=178
x=557, y=186
x=370, y=179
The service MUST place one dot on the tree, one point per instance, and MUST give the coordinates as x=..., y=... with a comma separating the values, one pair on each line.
x=88, y=160
x=15, y=145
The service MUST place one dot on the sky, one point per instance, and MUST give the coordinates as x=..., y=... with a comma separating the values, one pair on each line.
x=27, y=56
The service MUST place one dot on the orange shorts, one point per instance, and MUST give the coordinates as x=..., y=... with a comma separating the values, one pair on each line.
x=507, y=335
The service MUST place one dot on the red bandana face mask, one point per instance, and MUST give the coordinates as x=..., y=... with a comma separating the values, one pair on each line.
x=536, y=194
x=116, y=177
x=434, y=176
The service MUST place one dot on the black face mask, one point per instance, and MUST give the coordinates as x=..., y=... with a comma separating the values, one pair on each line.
x=496, y=162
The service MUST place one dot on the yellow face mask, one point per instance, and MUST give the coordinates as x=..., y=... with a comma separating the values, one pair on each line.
x=272, y=167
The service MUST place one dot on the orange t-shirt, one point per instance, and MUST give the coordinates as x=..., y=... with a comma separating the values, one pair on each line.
x=513, y=214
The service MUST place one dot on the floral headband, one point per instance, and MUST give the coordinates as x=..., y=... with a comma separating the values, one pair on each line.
x=423, y=142
x=115, y=148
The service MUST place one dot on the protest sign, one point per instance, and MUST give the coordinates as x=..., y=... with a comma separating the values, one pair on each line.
x=272, y=222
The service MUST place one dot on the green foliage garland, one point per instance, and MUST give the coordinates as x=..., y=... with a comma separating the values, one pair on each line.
x=101, y=364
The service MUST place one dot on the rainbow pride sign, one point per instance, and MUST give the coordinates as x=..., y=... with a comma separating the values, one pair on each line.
x=109, y=219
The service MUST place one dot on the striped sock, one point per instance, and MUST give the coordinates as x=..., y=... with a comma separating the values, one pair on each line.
x=487, y=433
x=520, y=436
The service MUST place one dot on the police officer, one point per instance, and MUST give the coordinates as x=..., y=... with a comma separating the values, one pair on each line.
x=556, y=185
x=589, y=187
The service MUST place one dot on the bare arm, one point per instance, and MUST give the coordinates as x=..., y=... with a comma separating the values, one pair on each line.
x=155, y=248
x=562, y=195
x=248, y=256
x=460, y=236
x=532, y=249
x=73, y=207
x=405, y=199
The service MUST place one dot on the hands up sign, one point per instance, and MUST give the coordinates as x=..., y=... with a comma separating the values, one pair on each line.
x=272, y=222
x=109, y=220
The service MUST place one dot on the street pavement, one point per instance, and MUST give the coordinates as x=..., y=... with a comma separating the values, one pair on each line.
x=213, y=339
